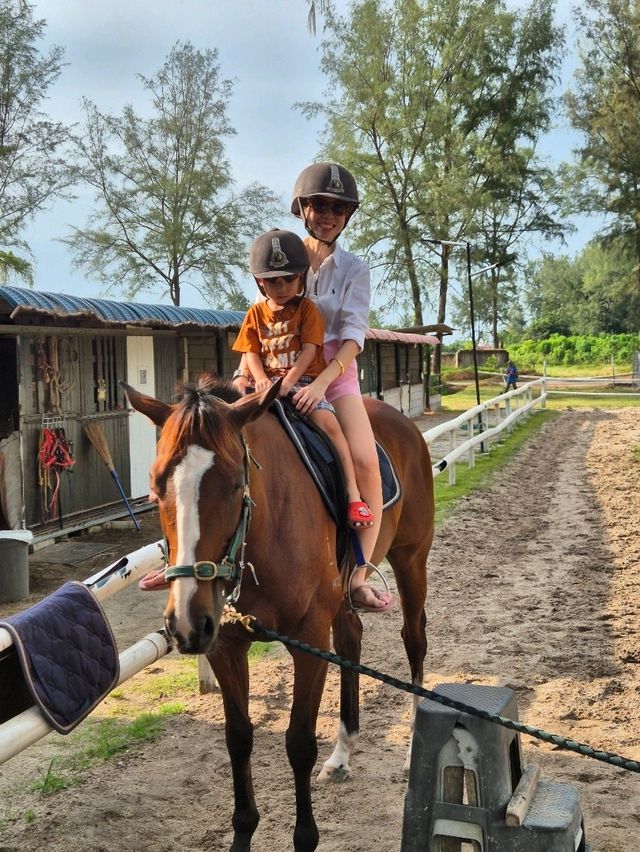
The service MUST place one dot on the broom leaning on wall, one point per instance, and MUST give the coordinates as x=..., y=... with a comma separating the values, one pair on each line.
x=94, y=433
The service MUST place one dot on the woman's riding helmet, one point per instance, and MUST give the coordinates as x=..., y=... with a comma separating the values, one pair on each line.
x=327, y=179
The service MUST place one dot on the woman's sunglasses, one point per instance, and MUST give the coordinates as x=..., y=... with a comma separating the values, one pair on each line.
x=324, y=205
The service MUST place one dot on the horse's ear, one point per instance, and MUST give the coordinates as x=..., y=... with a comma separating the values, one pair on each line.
x=154, y=409
x=254, y=404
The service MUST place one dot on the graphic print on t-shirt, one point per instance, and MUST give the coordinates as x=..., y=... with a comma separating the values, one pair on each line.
x=280, y=344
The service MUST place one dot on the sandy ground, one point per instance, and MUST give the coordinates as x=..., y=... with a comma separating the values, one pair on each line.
x=534, y=584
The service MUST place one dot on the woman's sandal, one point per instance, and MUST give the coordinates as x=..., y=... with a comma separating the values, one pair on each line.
x=359, y=515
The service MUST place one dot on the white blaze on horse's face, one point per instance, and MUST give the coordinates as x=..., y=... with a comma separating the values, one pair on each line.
x=186, y=482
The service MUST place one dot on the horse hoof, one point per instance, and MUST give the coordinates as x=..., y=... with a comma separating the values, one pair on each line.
x=334, y=774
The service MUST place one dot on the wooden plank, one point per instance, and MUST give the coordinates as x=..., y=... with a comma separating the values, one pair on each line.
x=166, y=368
x=523, y=795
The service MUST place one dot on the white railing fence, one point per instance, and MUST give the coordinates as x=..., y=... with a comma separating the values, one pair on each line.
x=28, y=727
x=475, y=429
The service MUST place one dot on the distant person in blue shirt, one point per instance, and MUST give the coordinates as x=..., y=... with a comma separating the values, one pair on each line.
x=511, y=377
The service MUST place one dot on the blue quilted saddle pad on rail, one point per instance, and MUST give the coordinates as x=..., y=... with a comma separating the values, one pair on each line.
x=68, y=654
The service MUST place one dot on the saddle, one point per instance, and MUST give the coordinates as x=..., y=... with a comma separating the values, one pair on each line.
x=321, y=460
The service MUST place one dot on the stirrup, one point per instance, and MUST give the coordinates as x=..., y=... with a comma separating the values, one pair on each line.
x=373, y=569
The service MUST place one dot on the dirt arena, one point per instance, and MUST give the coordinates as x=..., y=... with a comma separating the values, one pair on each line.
x=534, y=584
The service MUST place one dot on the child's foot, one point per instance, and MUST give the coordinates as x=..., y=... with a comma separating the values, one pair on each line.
x=359, y=515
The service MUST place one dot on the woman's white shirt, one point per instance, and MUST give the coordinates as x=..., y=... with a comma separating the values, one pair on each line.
x=341, y=288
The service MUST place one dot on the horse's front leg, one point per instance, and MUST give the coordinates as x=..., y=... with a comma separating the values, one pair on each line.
x=231, y=668
x=302, y=746
x=409, y=567
x=347, y=640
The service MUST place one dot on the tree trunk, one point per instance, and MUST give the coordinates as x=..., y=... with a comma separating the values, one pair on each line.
x=637, y=235
x=175, y=288
x=416, y=295
x=495, y=277
x=442, y=304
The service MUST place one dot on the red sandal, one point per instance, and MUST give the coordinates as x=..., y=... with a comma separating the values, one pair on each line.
x=359, y=515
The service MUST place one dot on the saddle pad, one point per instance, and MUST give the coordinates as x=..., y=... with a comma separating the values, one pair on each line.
x=321, y=459
x=68, y=654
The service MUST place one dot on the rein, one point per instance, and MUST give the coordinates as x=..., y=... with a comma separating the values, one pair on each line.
x=227, y=568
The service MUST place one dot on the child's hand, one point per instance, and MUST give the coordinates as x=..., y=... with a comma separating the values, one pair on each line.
x=286, y=388
x=262, y=384
x=241, y=384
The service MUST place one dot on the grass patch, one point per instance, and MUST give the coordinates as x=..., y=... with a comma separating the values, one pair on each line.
x=469, y=479
x=104, y=739
x=177, y=682
x=259, y=650
x=52, y=781
x=96, y=742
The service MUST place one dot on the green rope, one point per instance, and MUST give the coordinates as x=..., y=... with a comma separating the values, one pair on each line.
x=545, y=736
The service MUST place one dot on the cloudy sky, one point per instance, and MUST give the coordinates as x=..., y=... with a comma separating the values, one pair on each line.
x=263, y=46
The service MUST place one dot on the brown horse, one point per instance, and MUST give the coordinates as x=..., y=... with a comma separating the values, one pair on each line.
x=216, y=464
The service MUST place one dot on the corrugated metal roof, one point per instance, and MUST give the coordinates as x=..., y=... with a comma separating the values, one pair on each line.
x=21, y=301
x=388, y=336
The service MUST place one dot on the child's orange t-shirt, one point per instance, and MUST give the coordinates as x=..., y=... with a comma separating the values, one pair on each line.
x=277, y=336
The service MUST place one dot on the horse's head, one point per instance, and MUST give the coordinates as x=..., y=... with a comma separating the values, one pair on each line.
x=200, y=482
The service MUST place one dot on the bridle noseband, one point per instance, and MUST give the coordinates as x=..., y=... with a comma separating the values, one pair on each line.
x=228, y=568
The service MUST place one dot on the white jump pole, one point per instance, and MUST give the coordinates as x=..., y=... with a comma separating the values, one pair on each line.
x=115, y=577
x=30, y=726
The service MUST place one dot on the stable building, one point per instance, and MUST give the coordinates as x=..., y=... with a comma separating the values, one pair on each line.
x=62, y=359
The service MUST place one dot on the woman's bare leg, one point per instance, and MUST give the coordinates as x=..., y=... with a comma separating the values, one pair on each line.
x=355, y=424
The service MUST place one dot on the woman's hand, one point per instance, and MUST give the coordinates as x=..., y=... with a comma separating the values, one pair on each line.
x=307, y=398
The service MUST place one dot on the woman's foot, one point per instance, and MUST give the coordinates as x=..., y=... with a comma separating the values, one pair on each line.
x=154, y=581
x=359, y=515
x=366, y=598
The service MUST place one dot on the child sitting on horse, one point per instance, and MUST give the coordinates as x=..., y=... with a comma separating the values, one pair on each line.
x=282, y=336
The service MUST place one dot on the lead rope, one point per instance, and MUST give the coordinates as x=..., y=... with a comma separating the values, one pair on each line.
x=231, y=615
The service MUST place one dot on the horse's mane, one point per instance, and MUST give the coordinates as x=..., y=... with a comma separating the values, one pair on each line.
x=199, y=417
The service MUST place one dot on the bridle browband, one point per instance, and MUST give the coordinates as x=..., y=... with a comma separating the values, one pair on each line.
x=228, y=568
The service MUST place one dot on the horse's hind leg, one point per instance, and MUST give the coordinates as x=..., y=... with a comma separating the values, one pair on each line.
x=302, y=747
x=347, y=641
x=232, y=671
x=409, y=565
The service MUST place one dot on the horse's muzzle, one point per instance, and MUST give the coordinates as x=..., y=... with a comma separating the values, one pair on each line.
x=201, y=638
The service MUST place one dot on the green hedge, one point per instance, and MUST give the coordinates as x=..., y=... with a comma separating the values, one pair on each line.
x=583, y=349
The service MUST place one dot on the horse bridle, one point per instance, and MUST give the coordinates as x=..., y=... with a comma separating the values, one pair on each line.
x=228, y=568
